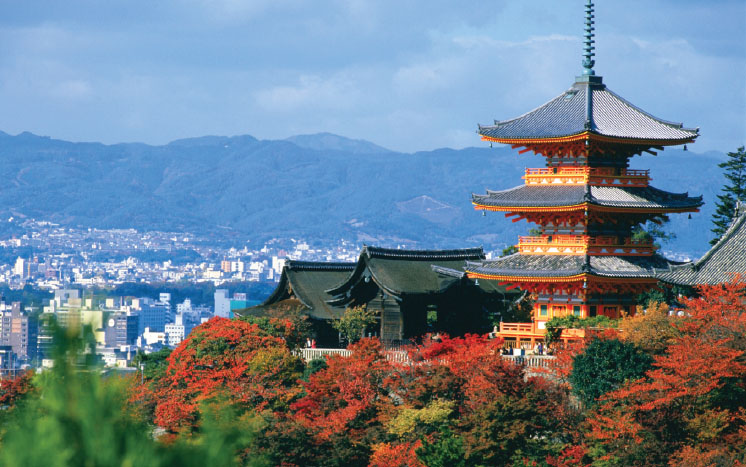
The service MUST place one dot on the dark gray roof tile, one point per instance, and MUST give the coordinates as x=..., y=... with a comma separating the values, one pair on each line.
x=725, y=258
x=563, y=266
x=567, y=115
x=550, y=195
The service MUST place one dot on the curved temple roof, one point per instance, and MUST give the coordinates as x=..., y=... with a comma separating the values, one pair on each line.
x=726, y=258
x=539, y=196
x=567, y=266
x=588, y=106
x=308, y=281
x=403, y=272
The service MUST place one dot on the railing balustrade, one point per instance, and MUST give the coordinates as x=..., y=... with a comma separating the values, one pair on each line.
x=401, y=356
x=602, y=176
x=582, y=244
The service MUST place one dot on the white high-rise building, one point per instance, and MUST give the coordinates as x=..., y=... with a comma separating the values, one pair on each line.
x=222, y=303
x=20, y=267
x=175, y=332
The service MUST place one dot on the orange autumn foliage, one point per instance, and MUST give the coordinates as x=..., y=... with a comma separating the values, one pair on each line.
x=348, y=390
x=229, y=359
x=395, y=455
x=689, y=404
x=651, y=330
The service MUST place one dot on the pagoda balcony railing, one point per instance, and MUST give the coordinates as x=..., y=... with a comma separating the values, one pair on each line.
x=518, y=332
x=581, y=245
x=597, y=176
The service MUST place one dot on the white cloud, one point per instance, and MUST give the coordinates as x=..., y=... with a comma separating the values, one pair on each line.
x=232, y=11
x=73, y=89
x=311, y=92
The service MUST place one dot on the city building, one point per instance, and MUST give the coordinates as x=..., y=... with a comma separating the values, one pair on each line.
x=122, y=329
x=8, y=363
x=222, y=303
x=177, y=331
x=19, y=332
x=225, y=305
x=586, y=203
x=153, y=314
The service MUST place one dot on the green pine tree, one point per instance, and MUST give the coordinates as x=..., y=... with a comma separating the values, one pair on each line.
x=447, y=450
x=733, y=191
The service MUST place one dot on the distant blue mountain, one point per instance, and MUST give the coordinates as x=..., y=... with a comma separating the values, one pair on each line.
x=319, y=187
x=331, y=142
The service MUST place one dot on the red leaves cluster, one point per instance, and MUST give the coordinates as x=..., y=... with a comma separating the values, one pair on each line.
x=572, y=456
x=395, y=455
x=366, y=409
x=347, y=390
x=685, y=403
x=229, y=359
x=14, y=389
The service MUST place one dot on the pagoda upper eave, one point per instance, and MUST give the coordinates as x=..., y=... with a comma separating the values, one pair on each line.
x=588, y=112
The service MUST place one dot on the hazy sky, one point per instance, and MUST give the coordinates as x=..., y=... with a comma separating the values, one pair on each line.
x=409, y=75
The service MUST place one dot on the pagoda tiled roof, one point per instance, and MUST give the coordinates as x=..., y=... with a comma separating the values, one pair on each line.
x=485, y=286
x=726, y=258
x=307, y=281
x=556, y=266
x=553, y=196
x=588, y=106
x=403, y=272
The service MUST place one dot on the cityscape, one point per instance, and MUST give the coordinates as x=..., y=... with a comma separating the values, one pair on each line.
x=54, y=257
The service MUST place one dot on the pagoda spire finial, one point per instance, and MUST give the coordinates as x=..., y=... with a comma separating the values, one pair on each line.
x=588, y=48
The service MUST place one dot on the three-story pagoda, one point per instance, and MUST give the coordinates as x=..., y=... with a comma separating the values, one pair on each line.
x=586, y=202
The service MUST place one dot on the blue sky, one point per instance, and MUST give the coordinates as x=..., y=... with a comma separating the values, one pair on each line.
x=408, y=75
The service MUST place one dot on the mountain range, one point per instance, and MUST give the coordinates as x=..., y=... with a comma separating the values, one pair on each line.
x=320, y=187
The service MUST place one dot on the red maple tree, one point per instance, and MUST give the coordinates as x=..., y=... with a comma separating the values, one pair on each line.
x=230, y=359
x=692, y=402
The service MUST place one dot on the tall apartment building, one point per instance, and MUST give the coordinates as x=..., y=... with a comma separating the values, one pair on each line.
x=122, y=329
x=18, y=331
x=153, y=315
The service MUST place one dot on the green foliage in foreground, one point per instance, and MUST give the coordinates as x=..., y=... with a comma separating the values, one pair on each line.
x=555, y=326
x=353, y=323
x=732, y=192
x=76, y=417
x=445, y=451
x=605, y=365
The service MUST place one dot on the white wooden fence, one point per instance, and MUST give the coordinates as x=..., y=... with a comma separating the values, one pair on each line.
x=400, y=356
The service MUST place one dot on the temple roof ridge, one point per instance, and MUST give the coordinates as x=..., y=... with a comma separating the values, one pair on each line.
x=298, y=265
x=393, y=253
x=724, y=258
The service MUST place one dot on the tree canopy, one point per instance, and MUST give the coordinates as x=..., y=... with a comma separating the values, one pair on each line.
x=733, y=191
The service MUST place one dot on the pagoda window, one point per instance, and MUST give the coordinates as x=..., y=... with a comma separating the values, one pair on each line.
x=592, y=310
x=576, y=310
x=558, y=311
x=610, y=311
x=543, y=311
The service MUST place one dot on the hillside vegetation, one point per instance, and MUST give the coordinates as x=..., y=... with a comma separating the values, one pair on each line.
x=318, y=187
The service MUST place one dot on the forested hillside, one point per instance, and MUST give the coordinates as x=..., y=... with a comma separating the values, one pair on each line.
x=317, y=187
